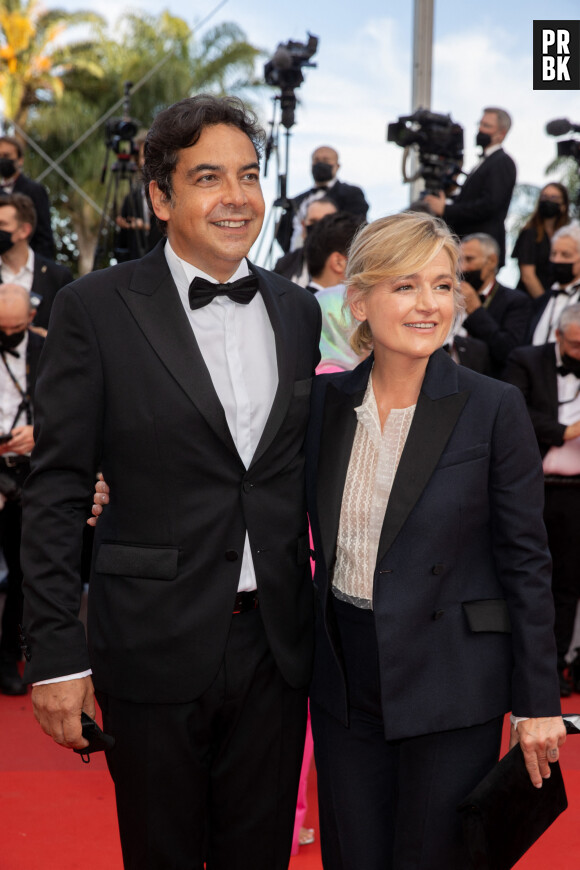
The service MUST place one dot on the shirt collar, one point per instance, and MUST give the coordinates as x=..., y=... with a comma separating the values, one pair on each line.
x=183, y=272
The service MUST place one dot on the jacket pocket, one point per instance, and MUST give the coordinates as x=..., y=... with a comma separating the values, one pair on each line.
x=455, y=457
x=488, y=614
x=128, y=560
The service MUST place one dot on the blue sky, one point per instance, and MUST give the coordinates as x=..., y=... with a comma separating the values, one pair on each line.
x=482, y=56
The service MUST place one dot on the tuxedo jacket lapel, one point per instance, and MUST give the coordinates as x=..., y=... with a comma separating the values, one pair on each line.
x=282, y=314
x=154, y=302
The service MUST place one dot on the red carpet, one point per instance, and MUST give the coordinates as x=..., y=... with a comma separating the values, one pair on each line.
x=58, y=814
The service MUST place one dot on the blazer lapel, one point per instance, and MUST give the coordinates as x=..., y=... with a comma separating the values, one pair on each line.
x=280, y=307
x=337, y=435
x=154, y=302
x=438, y=409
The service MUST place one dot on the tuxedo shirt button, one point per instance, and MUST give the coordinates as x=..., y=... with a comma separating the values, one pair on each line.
x=232, y=555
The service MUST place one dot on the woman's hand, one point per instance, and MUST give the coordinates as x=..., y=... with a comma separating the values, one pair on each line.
x=540, y=740
x=100, y=498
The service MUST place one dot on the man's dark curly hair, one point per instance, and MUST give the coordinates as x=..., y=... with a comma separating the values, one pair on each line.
x=181, y=125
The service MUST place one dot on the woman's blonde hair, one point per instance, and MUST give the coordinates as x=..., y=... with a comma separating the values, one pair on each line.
x=400, y=244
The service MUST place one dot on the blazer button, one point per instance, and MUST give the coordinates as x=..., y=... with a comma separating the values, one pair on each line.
x=231, y=555
x=438, y=569
x=438, y=614
x=247, y=486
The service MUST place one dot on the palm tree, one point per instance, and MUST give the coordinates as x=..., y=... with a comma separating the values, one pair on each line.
x=161, y=55
x=34, y=57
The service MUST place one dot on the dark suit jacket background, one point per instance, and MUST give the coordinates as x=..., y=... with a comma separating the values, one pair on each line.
x=451, y=571
x=49, y=278
x=511, y=311
x=482, y=203
x=473, y=353
x=136, y=243
x=41, y=241
x=123, y=386
x=533, y=370
x=346, y=197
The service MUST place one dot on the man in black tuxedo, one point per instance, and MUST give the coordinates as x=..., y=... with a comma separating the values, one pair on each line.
x=293, y=264
x=19, y=354
x=192, y=396
x=549, y=377
x=483, y=201
x=13, y=180
x=497, y=315
x=19, y=264
x=346, y=197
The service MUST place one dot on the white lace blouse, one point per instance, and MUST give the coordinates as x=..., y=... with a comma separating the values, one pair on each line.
x=374, y=460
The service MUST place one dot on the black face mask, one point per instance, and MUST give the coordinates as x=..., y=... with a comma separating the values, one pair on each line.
x=9, y=342
x=562, y=273
x=5, y=241
x=473, y=277
x=7, y=167
x=482, y=140
x=548, y=209
x=321, y=172
x=572, y=364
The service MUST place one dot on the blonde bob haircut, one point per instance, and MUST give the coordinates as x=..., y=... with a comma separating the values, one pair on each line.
x=389, y=248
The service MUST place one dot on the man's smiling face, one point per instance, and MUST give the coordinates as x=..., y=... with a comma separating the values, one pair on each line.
x=216, y=209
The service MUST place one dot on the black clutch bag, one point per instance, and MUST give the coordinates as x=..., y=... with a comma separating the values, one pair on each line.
x=505, y=814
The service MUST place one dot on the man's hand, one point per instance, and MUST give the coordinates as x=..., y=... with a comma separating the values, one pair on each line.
x=540, y=740
x=472, y=300
x=572, y=431
x=436, y=202
x=22, y=440
x=100, y=498
x=58, y=707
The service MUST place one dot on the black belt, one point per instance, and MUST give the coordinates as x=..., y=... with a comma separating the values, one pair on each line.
x=13, y=461
x=246, y=601
x=562, y=479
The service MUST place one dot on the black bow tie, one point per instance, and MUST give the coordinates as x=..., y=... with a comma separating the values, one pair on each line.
x=9, y=350
x=563, y=370
x=202, y=292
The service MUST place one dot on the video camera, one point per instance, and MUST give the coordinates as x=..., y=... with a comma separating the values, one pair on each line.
x=440, y=142
x=120, y=132
x=566, y=147
x=284, y=69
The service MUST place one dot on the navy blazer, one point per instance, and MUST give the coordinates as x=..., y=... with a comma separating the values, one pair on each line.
x=462, y=599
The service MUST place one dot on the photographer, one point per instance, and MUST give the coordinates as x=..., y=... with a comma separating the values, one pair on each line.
x=482, y=203
x=138, y=229
x=19, y=354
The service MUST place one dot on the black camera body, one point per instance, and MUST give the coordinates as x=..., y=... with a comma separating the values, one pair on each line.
x=119, y=136
x=284, y=69
x=440, y=142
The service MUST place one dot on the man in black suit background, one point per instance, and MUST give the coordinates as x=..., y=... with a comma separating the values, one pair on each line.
x=13, y=180
x=200, y=603
x=19, y=354
x=19, y=264
x=549, y=377
x=346, y=197
x=483, y=201
x=497, y=315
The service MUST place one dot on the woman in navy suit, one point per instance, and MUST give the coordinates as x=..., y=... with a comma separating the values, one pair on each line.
x=434, y=611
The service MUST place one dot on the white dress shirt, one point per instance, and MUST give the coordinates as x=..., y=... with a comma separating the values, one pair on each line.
x=565, y=460
x=24, y=276
x=545, y=330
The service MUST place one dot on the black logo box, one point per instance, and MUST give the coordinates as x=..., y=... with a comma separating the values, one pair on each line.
x=547, y=42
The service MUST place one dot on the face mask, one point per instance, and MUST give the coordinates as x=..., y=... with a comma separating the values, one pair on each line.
x=473, y=277
x=5, y=241
x=482, y=140
x=562, y=273
x=571, y=363
x=7, y=167
x=321, y=172
x=548, y=209
x=9, y=342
